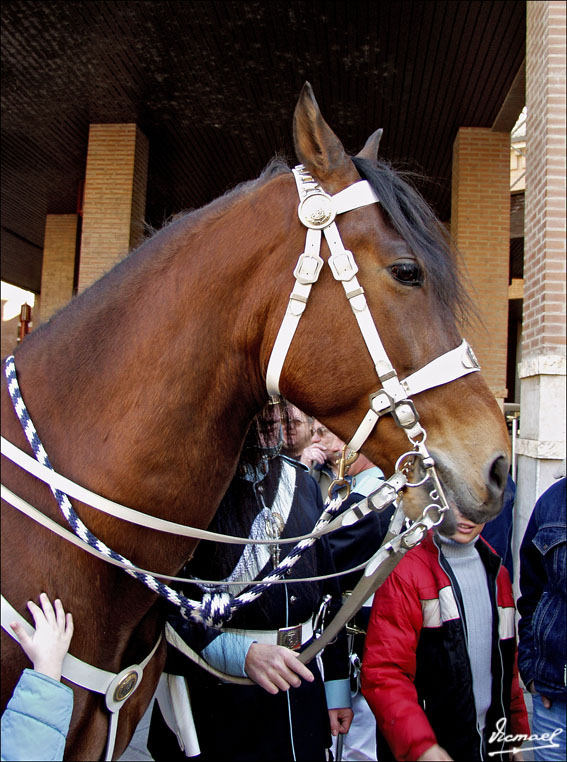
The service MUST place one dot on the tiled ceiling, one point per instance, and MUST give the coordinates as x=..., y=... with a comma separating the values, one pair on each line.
x=213, y=85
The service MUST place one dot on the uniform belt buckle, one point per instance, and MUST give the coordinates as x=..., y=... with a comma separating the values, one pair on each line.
x=290, y=637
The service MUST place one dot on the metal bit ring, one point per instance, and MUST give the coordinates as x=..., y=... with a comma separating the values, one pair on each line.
x=405, y=456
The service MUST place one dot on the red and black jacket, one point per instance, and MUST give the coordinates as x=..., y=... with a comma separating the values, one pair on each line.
x=416, y=673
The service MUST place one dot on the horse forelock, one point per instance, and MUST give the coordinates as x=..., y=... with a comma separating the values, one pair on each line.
x=414, y=220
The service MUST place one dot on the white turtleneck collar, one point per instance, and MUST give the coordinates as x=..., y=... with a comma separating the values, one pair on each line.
x=453, y=549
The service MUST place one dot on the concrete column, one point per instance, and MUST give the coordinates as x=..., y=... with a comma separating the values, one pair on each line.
x=480, y=226
x=114, y=198
x=541, y=445
x=58, y=266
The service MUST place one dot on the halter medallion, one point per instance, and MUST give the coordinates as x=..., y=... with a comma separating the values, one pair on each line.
x=126, y=686
x=316, y=210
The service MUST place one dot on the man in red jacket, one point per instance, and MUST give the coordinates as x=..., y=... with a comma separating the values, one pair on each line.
x=439, y=669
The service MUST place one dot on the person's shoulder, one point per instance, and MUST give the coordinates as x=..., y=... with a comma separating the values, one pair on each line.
x=551, y=505
x=295, y=463
x=491, y=557
x=307, y=488
x=486, y=549
x=555, y=492
x=367, y=482
x=420, y=566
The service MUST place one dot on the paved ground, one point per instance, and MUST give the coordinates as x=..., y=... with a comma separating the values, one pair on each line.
x=138, y=752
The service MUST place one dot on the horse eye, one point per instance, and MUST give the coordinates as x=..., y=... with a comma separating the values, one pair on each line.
x=408, y=273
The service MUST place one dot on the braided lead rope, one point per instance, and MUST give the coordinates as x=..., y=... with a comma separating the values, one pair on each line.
x=69, y=512
x=214, y=609
x=282, y=569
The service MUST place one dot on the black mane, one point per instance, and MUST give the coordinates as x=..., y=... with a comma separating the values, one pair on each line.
x=413, y=219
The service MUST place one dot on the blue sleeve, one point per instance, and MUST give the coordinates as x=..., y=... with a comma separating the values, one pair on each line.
x=36, y=720
x=338, y=693
x=532, y=576
x=228, y=653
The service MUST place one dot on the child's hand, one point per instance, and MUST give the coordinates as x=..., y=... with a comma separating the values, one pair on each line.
x=48, y=645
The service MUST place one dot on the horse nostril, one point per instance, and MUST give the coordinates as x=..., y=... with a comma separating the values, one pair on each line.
x=498, y=473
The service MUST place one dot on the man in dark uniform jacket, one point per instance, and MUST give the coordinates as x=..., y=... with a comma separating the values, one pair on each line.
x=235, y=722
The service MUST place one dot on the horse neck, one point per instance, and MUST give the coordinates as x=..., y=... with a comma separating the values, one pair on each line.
x=151, y=376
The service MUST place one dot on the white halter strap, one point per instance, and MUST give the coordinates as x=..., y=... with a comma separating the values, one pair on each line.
x=317, y=211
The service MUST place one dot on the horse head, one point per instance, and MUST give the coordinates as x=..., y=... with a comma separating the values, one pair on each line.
x=408, y=270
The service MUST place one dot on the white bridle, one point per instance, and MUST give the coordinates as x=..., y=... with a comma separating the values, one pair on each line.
x=317, y=211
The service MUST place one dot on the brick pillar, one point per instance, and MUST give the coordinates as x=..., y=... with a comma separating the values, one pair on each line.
x=58, y=267
x=115, y=198
x=541, y=445
x=480, y=226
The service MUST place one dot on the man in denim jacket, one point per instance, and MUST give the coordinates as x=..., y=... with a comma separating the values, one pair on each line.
x=542, y=608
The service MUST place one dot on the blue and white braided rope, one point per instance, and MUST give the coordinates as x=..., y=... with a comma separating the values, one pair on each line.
x=67, y=509
x=288, y=562
x=214, y=609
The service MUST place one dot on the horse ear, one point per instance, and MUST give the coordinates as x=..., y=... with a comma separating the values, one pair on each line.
x=370, y=150
x=316, y=145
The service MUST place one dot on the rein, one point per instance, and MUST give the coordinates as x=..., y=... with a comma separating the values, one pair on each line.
x=56, y=480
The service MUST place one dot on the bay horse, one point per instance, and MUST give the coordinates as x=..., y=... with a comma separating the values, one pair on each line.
x=143, y=387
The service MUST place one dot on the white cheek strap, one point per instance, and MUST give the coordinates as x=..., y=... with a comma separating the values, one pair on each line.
x=316, y=211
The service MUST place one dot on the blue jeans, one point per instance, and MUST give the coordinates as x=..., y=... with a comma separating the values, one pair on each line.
x=548, y=721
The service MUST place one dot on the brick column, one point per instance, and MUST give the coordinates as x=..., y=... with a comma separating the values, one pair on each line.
x=541, y=445
x=58, y=267
x=480, y=226
x=115, y=198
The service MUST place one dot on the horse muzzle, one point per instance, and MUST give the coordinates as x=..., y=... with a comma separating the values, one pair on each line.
x=476, y=492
